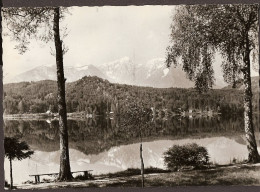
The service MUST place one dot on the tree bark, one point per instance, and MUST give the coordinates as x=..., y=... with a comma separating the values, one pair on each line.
x=11, y=174
x=1, y=31
x=1, y=88
x=253, y=156
x=142, y=164
x=65, y=172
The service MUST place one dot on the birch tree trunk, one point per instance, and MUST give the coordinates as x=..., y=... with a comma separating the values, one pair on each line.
x=11, y=174
x=1, y=86
x=253, y=156
x=142, y=164
x=65, y=172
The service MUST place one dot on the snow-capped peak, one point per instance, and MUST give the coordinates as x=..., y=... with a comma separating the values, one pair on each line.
x=156, y=63
x=165, y=72
x=124, y=70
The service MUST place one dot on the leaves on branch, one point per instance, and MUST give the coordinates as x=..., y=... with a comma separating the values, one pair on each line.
x=15, y=149
x=26, y=23
x=198, y=31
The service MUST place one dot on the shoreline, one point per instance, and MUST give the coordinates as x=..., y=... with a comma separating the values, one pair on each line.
x=234, y=174
x=83, y=115
x=28, y=116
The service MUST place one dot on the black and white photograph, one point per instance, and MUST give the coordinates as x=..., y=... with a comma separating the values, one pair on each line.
x=131, y=96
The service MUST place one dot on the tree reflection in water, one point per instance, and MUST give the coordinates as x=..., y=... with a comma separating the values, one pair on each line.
x=95, y=135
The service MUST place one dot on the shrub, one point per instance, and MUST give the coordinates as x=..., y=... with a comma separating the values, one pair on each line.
x=82, y=177
x=191, y=155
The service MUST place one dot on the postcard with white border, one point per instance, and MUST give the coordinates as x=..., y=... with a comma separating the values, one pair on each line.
x=131, y=96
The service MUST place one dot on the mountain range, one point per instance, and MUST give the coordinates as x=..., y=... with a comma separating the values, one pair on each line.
x=49, y=73
x=154, y=73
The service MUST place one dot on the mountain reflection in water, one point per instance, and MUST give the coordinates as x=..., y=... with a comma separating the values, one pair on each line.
x=104, y=146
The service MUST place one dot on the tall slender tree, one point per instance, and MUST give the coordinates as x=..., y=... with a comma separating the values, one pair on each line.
x=65, y=172
x=140, y=116
x=44, y=24
x=198, y=32
x=1, y=88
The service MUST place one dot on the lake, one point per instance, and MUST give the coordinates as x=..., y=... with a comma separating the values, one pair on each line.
x=104, y=145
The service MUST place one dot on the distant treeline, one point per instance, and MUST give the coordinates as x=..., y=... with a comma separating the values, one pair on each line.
x=94, y=95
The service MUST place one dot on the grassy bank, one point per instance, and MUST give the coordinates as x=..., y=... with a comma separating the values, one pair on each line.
x=232, y=175
x=222, y=175
x=133, y=172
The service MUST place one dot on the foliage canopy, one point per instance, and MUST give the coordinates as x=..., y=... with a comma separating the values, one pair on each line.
x=23, y=24
x=15, y=149
x=199, y=31
x=187, y=155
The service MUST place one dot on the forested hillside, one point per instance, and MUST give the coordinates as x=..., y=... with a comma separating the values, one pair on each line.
x=98, y=96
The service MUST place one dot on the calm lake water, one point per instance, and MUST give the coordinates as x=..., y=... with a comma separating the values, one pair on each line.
x=103, y=145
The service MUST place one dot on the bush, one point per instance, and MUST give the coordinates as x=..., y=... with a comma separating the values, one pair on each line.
x=189, y=155
x=82, y=177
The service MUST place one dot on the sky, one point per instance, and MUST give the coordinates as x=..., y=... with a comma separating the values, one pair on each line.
x=98, y=35
x=101, y=34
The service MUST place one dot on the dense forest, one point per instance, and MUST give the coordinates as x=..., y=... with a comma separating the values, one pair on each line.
x=96, y=96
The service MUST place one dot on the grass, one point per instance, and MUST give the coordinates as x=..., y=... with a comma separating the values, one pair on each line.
x=219, y=176
x=239, y=174
x=134, y=171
